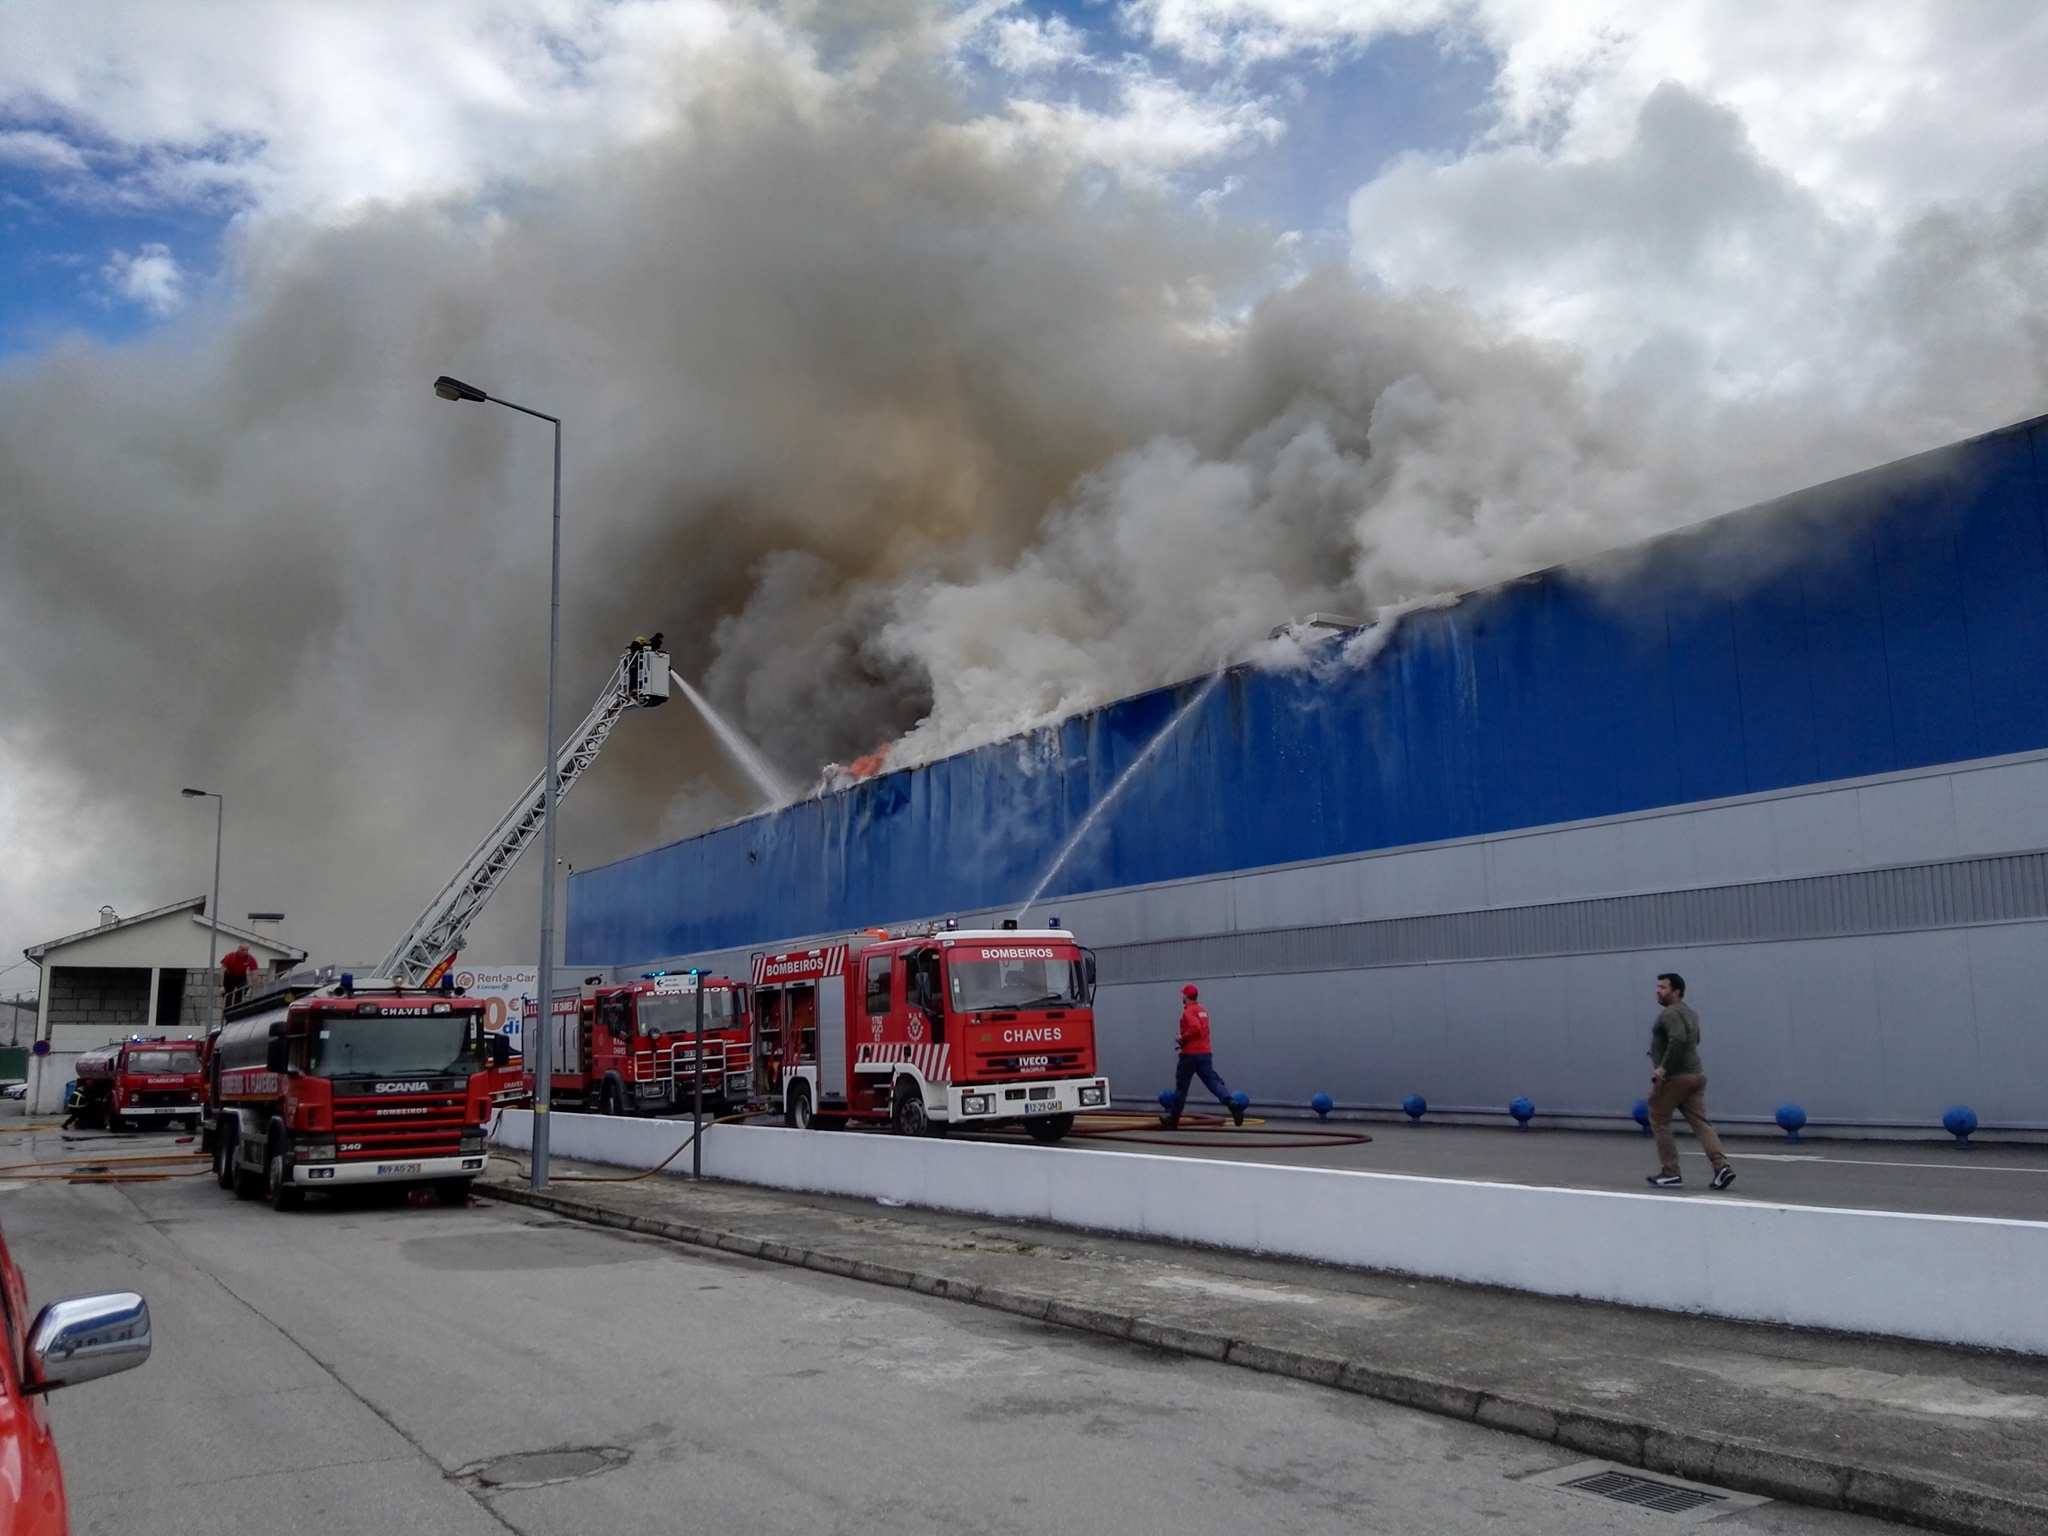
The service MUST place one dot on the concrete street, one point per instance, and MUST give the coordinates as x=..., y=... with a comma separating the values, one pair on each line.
x=358, y=1369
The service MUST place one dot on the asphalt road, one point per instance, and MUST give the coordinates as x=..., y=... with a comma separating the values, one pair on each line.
x=349, y=1369
x=2004, y=1180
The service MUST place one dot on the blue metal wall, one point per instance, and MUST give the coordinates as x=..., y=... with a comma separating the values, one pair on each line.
x=1892, y=620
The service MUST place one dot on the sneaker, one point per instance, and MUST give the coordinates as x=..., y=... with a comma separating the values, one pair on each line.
x=1168, y=1125
x=1666, y=1180
x=1237, y=1113
x=1723, y=1177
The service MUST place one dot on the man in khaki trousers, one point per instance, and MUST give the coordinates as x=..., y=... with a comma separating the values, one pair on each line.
x=1679, y=1081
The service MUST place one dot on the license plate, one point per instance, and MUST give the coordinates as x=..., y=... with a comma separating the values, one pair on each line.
x=1042, y=1107
x=390, y=1168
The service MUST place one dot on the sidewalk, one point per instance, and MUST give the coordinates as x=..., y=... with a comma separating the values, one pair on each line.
x=1947, y=1439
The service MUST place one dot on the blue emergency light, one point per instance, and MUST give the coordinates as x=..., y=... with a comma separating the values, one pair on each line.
x=347, y=984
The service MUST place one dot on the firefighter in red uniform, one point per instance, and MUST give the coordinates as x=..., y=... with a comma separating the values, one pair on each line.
x=1196, y=1060
x=236, y=967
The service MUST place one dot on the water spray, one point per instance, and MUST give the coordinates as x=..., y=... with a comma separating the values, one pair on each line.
x=742, y=751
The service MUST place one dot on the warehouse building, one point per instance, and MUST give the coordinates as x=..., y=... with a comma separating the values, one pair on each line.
x=145, y=974
x=1798, y=753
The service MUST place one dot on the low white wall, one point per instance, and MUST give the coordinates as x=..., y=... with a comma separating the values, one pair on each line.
x=1954, y=1279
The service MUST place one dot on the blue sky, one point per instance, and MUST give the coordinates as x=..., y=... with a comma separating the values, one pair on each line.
x=84, y=195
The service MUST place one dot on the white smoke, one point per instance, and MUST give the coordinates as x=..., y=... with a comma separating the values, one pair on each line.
x=912, y=424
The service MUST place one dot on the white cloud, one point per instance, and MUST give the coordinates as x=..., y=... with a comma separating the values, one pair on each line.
x=40, y=151
x=1246, y=31
x=1158, y=127
x=1030, y=45
x=323, y=110
x=150, y=277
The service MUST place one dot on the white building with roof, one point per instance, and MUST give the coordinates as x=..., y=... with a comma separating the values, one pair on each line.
x=140, y=975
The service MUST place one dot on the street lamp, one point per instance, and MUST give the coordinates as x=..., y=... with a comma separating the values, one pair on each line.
x=543, y=1057
x=220, y=815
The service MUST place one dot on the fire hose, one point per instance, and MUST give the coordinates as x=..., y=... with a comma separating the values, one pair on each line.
x=100, y=1170
x=526, y=1169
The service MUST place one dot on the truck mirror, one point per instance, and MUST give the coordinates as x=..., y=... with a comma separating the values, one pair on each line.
x=85, y=1338
x=1088, y=972
x=501, y=1050
x=276, y=1054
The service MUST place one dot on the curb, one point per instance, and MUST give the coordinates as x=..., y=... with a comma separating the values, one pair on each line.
x=1932, y=1502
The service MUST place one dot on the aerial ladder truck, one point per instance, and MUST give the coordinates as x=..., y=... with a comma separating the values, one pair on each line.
x=639, y=680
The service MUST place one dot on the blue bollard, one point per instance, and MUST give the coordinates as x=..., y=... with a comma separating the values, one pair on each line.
x=1166, y=1100
x=1241, y=1100
x=1415, y=1106
x=1790, y=1118
x=1642, y=1114
x=1322, y=1104
x=1523, y=1111
x=1959, y=1121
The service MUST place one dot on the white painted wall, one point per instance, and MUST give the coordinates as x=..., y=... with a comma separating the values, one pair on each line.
x=1953, y=1279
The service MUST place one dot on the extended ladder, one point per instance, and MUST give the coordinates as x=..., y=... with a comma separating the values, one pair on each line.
x=639, y=681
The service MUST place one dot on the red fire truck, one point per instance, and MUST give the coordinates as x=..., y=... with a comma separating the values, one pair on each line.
x=966, y=1027
x=139, y=1081
x=632, y=1048
x=355, y=1085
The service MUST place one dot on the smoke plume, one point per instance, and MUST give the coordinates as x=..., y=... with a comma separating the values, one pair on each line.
x=907, y=434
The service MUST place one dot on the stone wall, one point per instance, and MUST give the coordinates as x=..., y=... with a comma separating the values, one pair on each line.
x=116, y=1001
x=201, y=1008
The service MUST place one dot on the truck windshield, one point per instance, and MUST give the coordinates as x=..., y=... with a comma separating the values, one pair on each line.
x=399, y=1047
x=163, y=1061
x=675, y=1013
x=979, y=984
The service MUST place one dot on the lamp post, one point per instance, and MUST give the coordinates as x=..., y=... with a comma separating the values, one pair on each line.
x=543, y=1057
x=220, y=815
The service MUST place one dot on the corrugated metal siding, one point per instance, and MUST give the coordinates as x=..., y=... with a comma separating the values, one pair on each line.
x=1881, y=623
x=1946, y=895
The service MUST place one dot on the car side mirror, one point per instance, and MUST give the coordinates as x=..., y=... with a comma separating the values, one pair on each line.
x=501, y=1050
x=85, y=1338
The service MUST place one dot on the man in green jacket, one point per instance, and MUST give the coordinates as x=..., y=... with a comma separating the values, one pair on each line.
x=1678, y=1081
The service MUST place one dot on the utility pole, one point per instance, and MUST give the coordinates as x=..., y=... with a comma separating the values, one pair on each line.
x=697, y=1104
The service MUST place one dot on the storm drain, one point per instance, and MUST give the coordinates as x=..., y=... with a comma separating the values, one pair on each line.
x=1627, y=1488
x=1683, y=1503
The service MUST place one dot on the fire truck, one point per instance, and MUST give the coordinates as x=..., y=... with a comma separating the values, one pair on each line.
x=632, y=1048
x=139, y=1081
x=370, y=1084
x=923, y=1031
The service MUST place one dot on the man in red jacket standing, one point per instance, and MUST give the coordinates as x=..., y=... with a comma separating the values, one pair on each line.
x=1196, y=1060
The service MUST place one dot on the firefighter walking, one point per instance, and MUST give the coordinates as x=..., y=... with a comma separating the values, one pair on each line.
x=1197, y=1059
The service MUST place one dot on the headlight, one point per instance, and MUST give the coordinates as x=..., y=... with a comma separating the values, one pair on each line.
x=321, y=1151
x=975, y=1104
x=472, y=1142
x=1093, y=1097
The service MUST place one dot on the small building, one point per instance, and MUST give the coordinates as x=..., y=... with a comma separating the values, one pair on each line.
x=138, y=975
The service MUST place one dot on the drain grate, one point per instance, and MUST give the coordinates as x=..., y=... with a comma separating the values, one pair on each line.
x=1644, y=1493
x=1678, y=1501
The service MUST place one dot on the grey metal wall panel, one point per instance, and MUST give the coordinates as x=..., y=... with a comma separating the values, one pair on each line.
x=1908, y=821
x=1732, y=843
x=2008, y=985
x=1994, y=805
x=1812, y=834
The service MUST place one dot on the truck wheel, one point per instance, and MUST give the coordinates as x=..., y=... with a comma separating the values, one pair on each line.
x=797, y=1113
x=223, y=1159
x=909, y=1115
x=282, y=1194
x=453, y=1192
x=611, y=1098
x=247, y=1185
x=191, y=1125
x=1048, y=1128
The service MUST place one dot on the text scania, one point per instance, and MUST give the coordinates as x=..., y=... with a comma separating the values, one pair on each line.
x=421, y=1087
